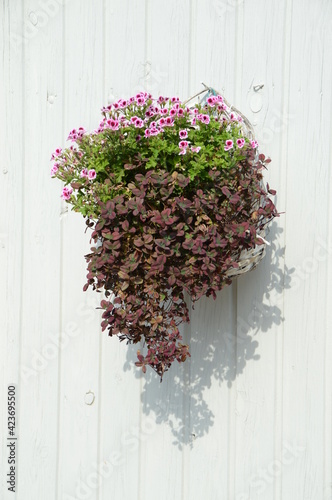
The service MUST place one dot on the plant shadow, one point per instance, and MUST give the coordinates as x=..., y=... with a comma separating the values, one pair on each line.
x=221, y=337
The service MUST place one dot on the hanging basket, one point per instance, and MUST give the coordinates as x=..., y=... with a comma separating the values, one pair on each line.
x=175, y=197
x=248, y=259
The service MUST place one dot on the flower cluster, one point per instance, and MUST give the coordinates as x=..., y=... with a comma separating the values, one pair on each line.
x=134, y=124
x=173, y=195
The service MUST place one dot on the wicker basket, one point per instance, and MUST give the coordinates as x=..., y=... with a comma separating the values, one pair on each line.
x=248, y=259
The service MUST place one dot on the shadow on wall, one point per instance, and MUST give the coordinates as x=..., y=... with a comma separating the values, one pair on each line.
x=221, y=343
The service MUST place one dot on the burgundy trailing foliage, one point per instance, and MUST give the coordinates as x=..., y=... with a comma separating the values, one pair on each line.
x=168, y=237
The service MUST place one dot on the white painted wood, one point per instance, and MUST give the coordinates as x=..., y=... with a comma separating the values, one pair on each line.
x=249, y=416
x=82, y=69
x=305, y=302
x=214, y=350
x=39, y=227
x=260, y=294
x=120, y=427
x=166, y=403
x=11, y=219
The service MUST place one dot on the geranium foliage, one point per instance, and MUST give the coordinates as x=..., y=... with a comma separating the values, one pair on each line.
x=173, y=195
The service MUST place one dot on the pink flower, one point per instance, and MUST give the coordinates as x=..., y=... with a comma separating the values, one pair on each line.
x=139, y=123
x=240, y=142
x=169, y=121
x=183, y=134
x=180, y=112
x=183, y=144
x=175, y=99
x=66, y=192
x=140, y=100
x=183, y=151
x=233, y=117
x=153, y=124
x=161, y=99
x=172, y=112
x=205, y=119
x=164, y=111
x=72, y=135
x=133, y=119
x=105, y=109
x=113, y=124
x=81, y=130
x=92, y=174
x=154, y=131
x=220, y=98
x=193, y=121
x=116, y=105
x=228, y=145
x=162, y=121
x=147, y=133
x=195, y=149
x=254, y=144
x=56, y=153
x=84, y=172
x=211, y=100
x=54, y=169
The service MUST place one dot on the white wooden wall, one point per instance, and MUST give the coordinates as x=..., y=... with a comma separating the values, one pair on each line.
x=249, y=417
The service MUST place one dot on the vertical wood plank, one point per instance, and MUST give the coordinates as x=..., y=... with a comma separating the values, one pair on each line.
x=307, y=238
x=121, y=429
x=161, y=467
x=41, y=116
x=11, y=202
x=79, y=383
x=262, y=90
x=212, y=329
